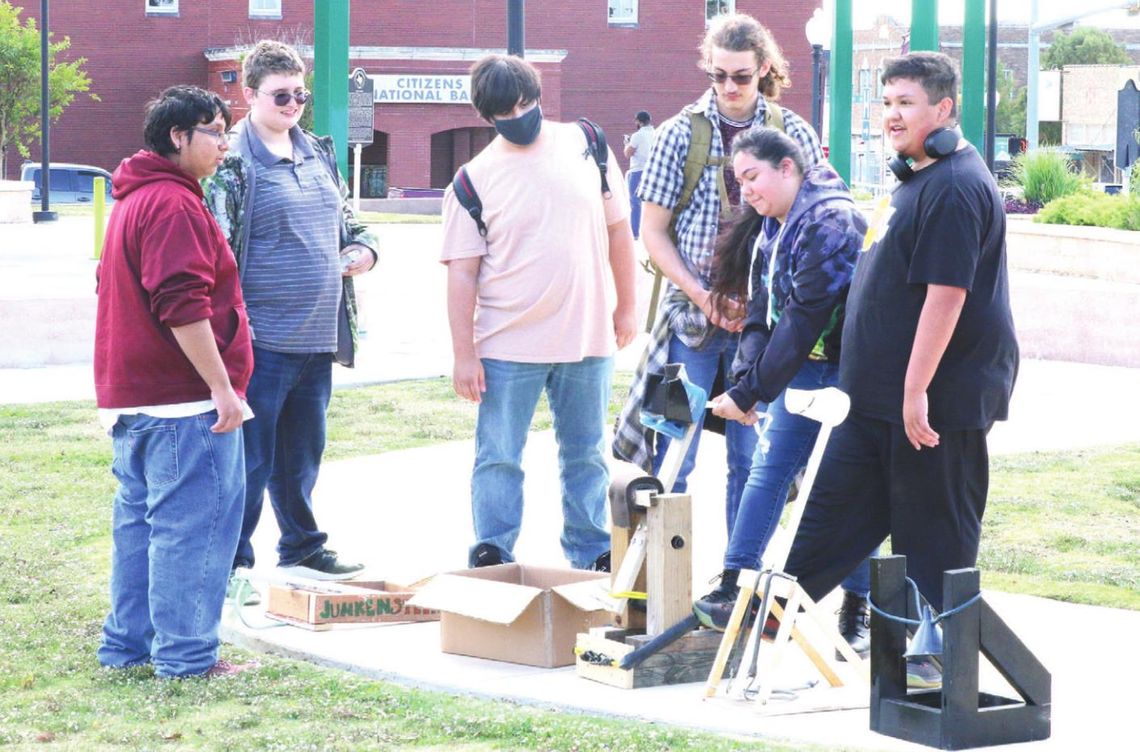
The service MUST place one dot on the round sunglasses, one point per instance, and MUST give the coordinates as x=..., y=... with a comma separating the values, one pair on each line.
x=281, y=98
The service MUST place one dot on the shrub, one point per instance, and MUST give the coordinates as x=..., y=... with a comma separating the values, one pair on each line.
x=1045, y=175
x=1094, y=210
x=1015, y=205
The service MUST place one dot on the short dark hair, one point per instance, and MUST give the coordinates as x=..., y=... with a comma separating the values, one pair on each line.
x=499, y=82
x=933, y=70
x=740, y=32
x=771, y=146
x=642, y=117
x=181, y=107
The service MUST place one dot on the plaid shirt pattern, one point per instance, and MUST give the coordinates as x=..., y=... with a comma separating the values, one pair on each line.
x=661, y=183
x=663, y=178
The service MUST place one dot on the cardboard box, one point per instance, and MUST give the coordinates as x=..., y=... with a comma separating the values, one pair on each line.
x=321, y=604
x=516, y=613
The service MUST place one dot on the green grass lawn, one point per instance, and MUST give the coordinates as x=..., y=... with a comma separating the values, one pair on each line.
x=1064, y=526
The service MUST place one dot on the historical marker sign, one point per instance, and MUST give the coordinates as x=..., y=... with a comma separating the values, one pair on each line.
x=360, y=104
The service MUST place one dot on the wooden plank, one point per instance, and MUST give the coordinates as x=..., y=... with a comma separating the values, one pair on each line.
x=669, y=564
x=620, y=540
x=1013, y=659
x=747, y=581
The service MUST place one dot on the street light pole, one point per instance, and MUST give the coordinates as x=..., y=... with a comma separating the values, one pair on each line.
x=44, y=214
x=816, y=90
x=516, y=44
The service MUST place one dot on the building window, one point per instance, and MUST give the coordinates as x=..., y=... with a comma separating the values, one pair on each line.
x=622, y=11
x=265, y=8
x=162, y=7
x=714, y=8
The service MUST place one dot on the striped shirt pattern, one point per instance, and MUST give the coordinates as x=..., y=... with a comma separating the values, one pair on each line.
x=292, y=281
x=664, y=177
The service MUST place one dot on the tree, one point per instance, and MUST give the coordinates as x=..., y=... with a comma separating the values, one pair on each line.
x=20, y=82
x=1011, y=103
x=1084, y=46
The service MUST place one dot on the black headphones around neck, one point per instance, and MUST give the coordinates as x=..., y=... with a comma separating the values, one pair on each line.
x=939, y=143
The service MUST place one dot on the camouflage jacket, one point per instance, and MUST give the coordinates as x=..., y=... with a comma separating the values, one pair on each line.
x=229, y=196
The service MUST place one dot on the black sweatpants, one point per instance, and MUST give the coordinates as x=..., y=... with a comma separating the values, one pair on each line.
x=872, y=483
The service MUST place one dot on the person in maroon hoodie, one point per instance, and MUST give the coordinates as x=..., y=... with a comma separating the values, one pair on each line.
x=173, y=357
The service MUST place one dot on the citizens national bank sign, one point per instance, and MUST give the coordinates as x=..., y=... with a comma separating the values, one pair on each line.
x=413, y=88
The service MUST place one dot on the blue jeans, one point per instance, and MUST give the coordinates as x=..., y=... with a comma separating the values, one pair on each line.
x=174, y=527
x=740, y=440
x=289, y=395
x=578, y=394
x=781, y=454
x=633, y=180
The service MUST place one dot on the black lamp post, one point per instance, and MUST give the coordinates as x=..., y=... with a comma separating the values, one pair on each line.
x=817, y=31
x=44, y=214
x=515, y=34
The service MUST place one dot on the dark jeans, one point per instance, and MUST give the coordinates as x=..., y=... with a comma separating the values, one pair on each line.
x=633, y=180
x=872, y=483
x=289, y=394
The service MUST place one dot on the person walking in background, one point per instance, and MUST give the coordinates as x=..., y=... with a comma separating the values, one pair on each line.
x=637, y=146
x=536, y=304
x=791, y=255
x=279, y=199
x=172, y=362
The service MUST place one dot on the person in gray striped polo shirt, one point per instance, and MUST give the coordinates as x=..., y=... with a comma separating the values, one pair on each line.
x=280, y=200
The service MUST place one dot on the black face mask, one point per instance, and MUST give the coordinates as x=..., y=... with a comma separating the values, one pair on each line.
x=522, y=130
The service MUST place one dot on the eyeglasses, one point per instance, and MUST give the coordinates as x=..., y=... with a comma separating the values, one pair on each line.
x=281, y=98
x=740, y=79
x=218, y=136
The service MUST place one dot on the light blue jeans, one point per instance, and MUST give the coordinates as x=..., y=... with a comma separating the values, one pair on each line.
x=578, y=394
x=740, y=440
x=175, y=525
x=782, y=453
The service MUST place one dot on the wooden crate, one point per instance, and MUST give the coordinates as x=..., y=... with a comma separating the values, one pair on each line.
x=689, y=659
x=321, y=604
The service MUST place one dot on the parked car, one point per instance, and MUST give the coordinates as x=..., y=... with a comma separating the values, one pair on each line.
x=70, y=183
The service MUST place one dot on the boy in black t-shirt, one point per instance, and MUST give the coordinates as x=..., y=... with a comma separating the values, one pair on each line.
x=929, y=356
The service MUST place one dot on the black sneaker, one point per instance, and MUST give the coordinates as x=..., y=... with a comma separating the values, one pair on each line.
x=923, y=673
x=486, y=555
x=855, y=624
x=601, y=564
x=323, y=565
x=714, y=610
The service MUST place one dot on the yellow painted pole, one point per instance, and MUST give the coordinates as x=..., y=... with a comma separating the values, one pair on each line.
x=100, y=189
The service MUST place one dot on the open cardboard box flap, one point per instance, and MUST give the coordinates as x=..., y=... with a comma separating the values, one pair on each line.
x=500, y=594
x=486, y=600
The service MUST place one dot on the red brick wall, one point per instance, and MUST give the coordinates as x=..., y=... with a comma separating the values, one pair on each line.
x=608, y=73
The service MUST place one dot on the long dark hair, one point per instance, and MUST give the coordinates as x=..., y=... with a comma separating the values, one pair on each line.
x=732, y=258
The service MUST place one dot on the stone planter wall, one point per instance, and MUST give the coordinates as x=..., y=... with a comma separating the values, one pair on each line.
x=15, y=201
x=1075, y=292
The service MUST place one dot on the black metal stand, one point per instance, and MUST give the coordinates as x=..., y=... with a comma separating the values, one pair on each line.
x=958, y=716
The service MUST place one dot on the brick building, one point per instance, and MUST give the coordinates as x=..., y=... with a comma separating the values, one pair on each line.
x=605, y=59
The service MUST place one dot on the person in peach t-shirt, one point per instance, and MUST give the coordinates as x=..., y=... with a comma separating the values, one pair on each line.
x=538, y=304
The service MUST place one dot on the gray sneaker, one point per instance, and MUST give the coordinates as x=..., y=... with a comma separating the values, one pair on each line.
x=241, y=591
x=323, y=565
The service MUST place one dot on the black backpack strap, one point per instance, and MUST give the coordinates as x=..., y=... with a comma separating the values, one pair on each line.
x=596, y=139
x=465, y=194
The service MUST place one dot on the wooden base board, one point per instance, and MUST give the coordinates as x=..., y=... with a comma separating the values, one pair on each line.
x=689, y=659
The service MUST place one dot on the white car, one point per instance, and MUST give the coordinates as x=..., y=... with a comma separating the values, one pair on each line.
x=69, y=184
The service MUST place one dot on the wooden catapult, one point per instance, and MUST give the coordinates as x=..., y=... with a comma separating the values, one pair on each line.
x=651, y=554
x=779, y=595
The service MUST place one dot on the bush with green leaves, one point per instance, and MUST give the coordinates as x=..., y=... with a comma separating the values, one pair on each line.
x=1093, y=209
x=1045, y=175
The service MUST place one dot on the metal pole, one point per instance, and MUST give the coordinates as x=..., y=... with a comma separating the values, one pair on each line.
x=356, y=150
x=1032, y=74
x=44, y=214
x=816, y=91
x=973, y=118
x=330, y=75
x=515, y=33
x=924, y=25
x=991, y=88
x=842, y=63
